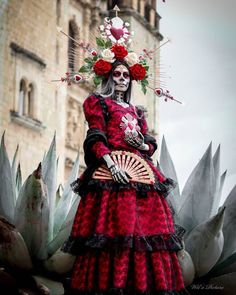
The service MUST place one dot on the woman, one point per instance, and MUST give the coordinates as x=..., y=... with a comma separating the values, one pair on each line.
x=123, y=233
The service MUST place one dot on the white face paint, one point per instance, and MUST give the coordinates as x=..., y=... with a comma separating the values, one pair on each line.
x=121, y=77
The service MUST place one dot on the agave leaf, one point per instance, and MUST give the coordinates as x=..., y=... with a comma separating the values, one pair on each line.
x=187, y=266
x=168, y=169
x=59, y=194
x=222, y=181
x=64, y=203
x=198, y=194
x=205, y=243
x=60, y=262
x=13, y=250
x=65, y=229
x=32, y=214
x=225, y=284
x=7, y=190
x=18, y=179
x=56, y=288
x=216, y=166
x=224, y=267
x=13, y=168
x=49, y=175
x=229, y=226
x=57, y=162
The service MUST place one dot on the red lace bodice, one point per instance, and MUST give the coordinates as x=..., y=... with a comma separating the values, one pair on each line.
x=120, y=118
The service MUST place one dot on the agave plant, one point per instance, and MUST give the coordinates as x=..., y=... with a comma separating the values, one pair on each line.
x=209, y=257
x=36, y=218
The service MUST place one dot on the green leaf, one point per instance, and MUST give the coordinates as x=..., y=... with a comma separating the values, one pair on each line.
x=95, y=58
x=108, y=44
x=84, y=69
x=97, y=80
x=144, y=89
x=144, y=82
x=100, y=42
x=89, y=61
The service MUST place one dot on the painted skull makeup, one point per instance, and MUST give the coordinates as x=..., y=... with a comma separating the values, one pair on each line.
x=121, y=77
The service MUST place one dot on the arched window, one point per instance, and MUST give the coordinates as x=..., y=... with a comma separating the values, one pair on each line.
x=71, y=47
x=22, y=97
x=30, y=102
x=26, y=99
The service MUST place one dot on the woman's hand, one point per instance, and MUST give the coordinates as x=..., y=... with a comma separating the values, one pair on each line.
x=117, y=174
x=136, y=140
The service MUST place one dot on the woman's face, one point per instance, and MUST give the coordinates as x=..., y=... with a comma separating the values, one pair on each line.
x=121, y=78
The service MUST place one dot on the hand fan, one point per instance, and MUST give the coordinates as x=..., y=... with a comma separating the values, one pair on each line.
x=134, y=165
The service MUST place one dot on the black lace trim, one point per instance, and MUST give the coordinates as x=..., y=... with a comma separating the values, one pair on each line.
x=79, y=245
x=164, y=188
x=93, y=135
x=118, y=291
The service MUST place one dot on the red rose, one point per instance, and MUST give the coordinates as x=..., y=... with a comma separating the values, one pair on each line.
x=138, y=72
x=102, y=67
x=119, y=51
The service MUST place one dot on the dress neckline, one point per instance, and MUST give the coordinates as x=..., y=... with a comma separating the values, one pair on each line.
x=129, y=104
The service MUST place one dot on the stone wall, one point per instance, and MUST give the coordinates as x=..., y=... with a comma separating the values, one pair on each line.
x=32, y=51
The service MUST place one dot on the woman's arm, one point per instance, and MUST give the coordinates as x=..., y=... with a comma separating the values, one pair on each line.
x=96, y=144
x=96, y=141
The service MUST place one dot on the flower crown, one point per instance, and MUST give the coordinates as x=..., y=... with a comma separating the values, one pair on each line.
x=113, y=45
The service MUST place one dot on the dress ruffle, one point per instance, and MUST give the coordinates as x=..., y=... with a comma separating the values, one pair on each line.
x=117, y=291
x=78, y=245
x=163, y=188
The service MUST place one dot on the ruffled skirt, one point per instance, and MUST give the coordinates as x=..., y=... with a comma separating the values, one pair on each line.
x=125, y=243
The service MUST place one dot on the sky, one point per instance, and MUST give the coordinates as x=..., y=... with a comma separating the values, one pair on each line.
x=200, y=69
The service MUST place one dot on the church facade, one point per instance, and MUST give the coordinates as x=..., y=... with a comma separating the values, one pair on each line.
x=32, y=53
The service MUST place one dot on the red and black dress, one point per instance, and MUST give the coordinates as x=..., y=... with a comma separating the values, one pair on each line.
x=123, y=234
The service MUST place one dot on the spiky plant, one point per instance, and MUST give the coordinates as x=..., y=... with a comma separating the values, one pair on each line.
x=36, y=218
x=209, y=257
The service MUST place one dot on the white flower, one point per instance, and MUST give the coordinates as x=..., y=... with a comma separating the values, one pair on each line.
x=101, y=28
x=132, y=59
x=108, y=55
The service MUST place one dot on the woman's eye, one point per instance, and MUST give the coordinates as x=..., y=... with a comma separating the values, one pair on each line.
x=116, y=74
x=126, y=75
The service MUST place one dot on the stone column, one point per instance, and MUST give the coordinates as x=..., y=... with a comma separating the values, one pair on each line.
x=135, y=4
x=142, y=7
x=152, y=17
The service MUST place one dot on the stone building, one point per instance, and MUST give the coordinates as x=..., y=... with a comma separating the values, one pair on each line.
x=32, y=53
